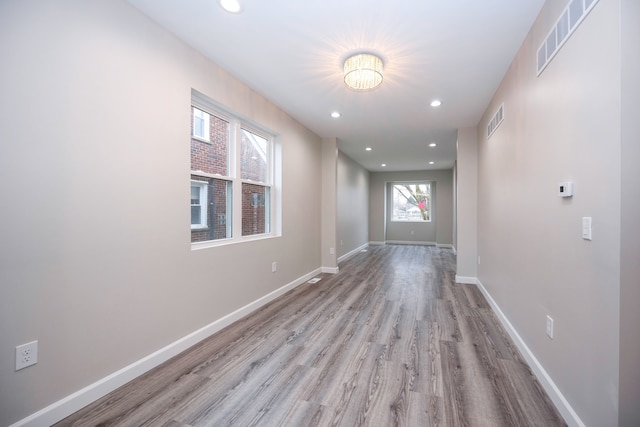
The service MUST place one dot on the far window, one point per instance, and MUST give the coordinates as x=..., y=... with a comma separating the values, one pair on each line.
x=200, y=124
x=411, y=202
x=198, y=204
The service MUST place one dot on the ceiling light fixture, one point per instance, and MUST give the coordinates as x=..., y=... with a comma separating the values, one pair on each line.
x=363, y=71
x=335, y=115
x=432, y=163
x=433, y=144
x=232, y=6
x=368, y=149
x=384, y=165
x=436, y=103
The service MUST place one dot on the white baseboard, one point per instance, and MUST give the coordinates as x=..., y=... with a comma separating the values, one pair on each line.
x=374, y=243
x=466, y=280
x=61, y=409
x=353, y=252
x=410, y=242
x=330, y=270
x=563, y=406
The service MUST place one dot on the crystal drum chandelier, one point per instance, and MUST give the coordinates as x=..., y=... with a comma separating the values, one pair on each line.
x=363, y=71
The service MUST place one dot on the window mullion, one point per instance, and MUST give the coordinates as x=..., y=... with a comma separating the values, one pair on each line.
x=235, y=163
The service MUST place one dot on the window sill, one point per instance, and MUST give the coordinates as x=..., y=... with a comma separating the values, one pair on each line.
x=201, y=139
x=196, y=246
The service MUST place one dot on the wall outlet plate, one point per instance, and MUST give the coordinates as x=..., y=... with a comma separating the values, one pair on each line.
x=26, y=355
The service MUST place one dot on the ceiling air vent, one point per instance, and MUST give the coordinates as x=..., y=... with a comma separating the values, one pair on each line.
x=569, y=20
x=495, y=121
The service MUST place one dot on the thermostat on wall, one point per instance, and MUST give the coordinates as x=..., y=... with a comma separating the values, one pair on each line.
x=565, y=189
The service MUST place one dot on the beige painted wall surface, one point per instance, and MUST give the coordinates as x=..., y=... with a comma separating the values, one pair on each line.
x=328, y=202
x=630, y=238
x=443, y=203
x=353, y=202
x=561, y=126
x=467, y=206
x=94, y=176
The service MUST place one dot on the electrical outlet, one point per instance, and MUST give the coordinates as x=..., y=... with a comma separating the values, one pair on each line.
x=549, y=327
x=274, y=267
x=332, y=251
x=26, y=355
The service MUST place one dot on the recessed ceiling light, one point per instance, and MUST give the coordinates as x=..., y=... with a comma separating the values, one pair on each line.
x=384, y=165
x=368, y=149
x=433, y=144
x=232, y=6
x=432, y=163
x=436, y=103
x=335, y=114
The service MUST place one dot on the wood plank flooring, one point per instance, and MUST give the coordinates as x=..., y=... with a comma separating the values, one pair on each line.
x=390, y=340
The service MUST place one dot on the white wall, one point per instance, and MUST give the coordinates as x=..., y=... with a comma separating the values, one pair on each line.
x=95, y=251
x=563, y=125
x=442, y=204
x=353, y=202
x=630, y=223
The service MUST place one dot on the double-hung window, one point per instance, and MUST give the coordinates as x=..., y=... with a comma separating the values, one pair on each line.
x=232, y=177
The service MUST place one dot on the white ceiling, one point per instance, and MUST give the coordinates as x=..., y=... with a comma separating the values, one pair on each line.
x=292, y=52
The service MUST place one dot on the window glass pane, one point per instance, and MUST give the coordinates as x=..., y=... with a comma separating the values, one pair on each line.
x=196, y=215
x=195, y=194
x=211, y=156
x=255, y=209
x=200, y=123
x=216, y=209
x=411, y=202
x=254, y=157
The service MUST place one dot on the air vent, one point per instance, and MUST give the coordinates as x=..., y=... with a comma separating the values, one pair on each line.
x=569, y=20
x=314, y=280
x=495, y=121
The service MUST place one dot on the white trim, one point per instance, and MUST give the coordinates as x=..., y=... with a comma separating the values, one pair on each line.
x=570, y=416
x=410, y=242
x=330, y=270
x=61, y=409
x=374, y=243
x=352, y=253
x=466, y=280
x=445, y=246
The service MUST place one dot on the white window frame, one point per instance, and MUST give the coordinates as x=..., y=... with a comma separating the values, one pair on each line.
x=206, y=125
x=274, y=153
x=202, y=185
x=391, y=202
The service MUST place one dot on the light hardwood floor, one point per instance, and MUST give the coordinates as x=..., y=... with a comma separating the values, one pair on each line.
x=390, y=340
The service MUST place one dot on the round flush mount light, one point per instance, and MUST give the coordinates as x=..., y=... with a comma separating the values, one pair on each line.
x=232, y=6
x=432, y=163
x=368, y=149
x=363, y=71
x=335, y=115
x=433, y=144
x=384, y=165
x=436, y=103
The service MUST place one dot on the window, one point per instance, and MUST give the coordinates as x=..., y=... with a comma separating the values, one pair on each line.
x=232, y=178
x=200, y=128
x=198, y=204
x=411, y=202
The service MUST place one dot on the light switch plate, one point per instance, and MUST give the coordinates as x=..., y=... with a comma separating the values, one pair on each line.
x=586, y=228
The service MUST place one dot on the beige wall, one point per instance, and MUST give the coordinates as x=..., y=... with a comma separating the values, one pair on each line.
x=353, y=202
x=443, y=205
x=467, y=204
x=328, y=203
x=630, y=221
x=563, y=125
x=95, y=259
